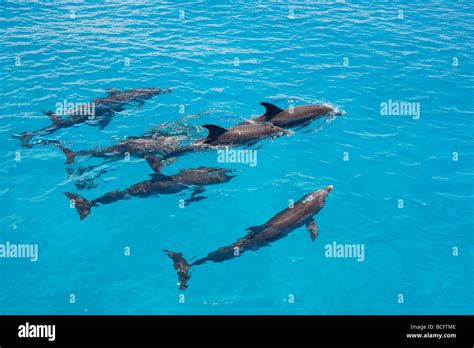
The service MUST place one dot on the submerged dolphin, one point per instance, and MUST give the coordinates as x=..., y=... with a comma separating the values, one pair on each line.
x=159, y=184
x=279, y=226
x=136, y=147
x=296, y=116
x=168, y=146
x=100, y=110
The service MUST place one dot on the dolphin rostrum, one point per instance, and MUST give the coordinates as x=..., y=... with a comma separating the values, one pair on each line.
x=278, y=227
x=159, y=183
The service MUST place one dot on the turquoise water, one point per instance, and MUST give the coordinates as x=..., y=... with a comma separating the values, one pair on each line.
x=222, y=60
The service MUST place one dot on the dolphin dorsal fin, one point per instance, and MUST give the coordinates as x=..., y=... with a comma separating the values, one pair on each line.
x=270, y=110
x=112, y=91
x=214, y=131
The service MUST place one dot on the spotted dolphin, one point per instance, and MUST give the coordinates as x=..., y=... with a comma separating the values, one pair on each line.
x=140, y=147
x=243, y=134
x=159, y=184
x=279, y=226
x=294, y=116
x=98, y=112
x=168, y=146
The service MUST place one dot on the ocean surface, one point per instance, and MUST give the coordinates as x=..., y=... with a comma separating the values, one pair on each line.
x=403, y=184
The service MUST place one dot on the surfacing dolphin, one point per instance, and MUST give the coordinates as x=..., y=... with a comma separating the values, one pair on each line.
x=278, y=227
x=295, y=116
x=139, y=147
x=98, y=112
x=159, y=184
x=243, y=134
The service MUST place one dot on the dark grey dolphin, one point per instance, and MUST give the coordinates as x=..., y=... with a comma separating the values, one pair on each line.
x=168, y=146
x=99, y=112
x=296, y=116
x=159, y=184
x=136, y=147
x=278, y=227
x=244, y=134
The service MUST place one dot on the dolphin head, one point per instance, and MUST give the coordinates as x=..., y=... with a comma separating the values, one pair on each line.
x=334, y=111
x=314, y=201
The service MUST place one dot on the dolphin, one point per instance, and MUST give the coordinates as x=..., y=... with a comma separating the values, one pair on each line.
x=134, y=146
x=278, y=227
x=100, y=111
x=243, y=134
x=159, y=183
x=168, y=146
x=296, y=116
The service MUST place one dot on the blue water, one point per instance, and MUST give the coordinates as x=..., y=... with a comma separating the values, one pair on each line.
x=298, y=61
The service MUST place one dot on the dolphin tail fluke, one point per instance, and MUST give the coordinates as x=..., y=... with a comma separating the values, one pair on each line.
x=182, y=266
x=82, y=205
x=70, y=155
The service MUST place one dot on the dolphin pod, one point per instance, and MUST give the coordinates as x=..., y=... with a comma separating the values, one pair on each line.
x=167, y=146
x=98, y=112
x=160, y=149
x=274, y=123
x=279, y=226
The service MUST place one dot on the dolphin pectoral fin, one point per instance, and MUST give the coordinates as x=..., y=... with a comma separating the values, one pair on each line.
x=155, y=162
x=194, y=199
x=312, y=227
x=194, y=196
x=140, y=105
x=104, y=122
x=270, y=110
